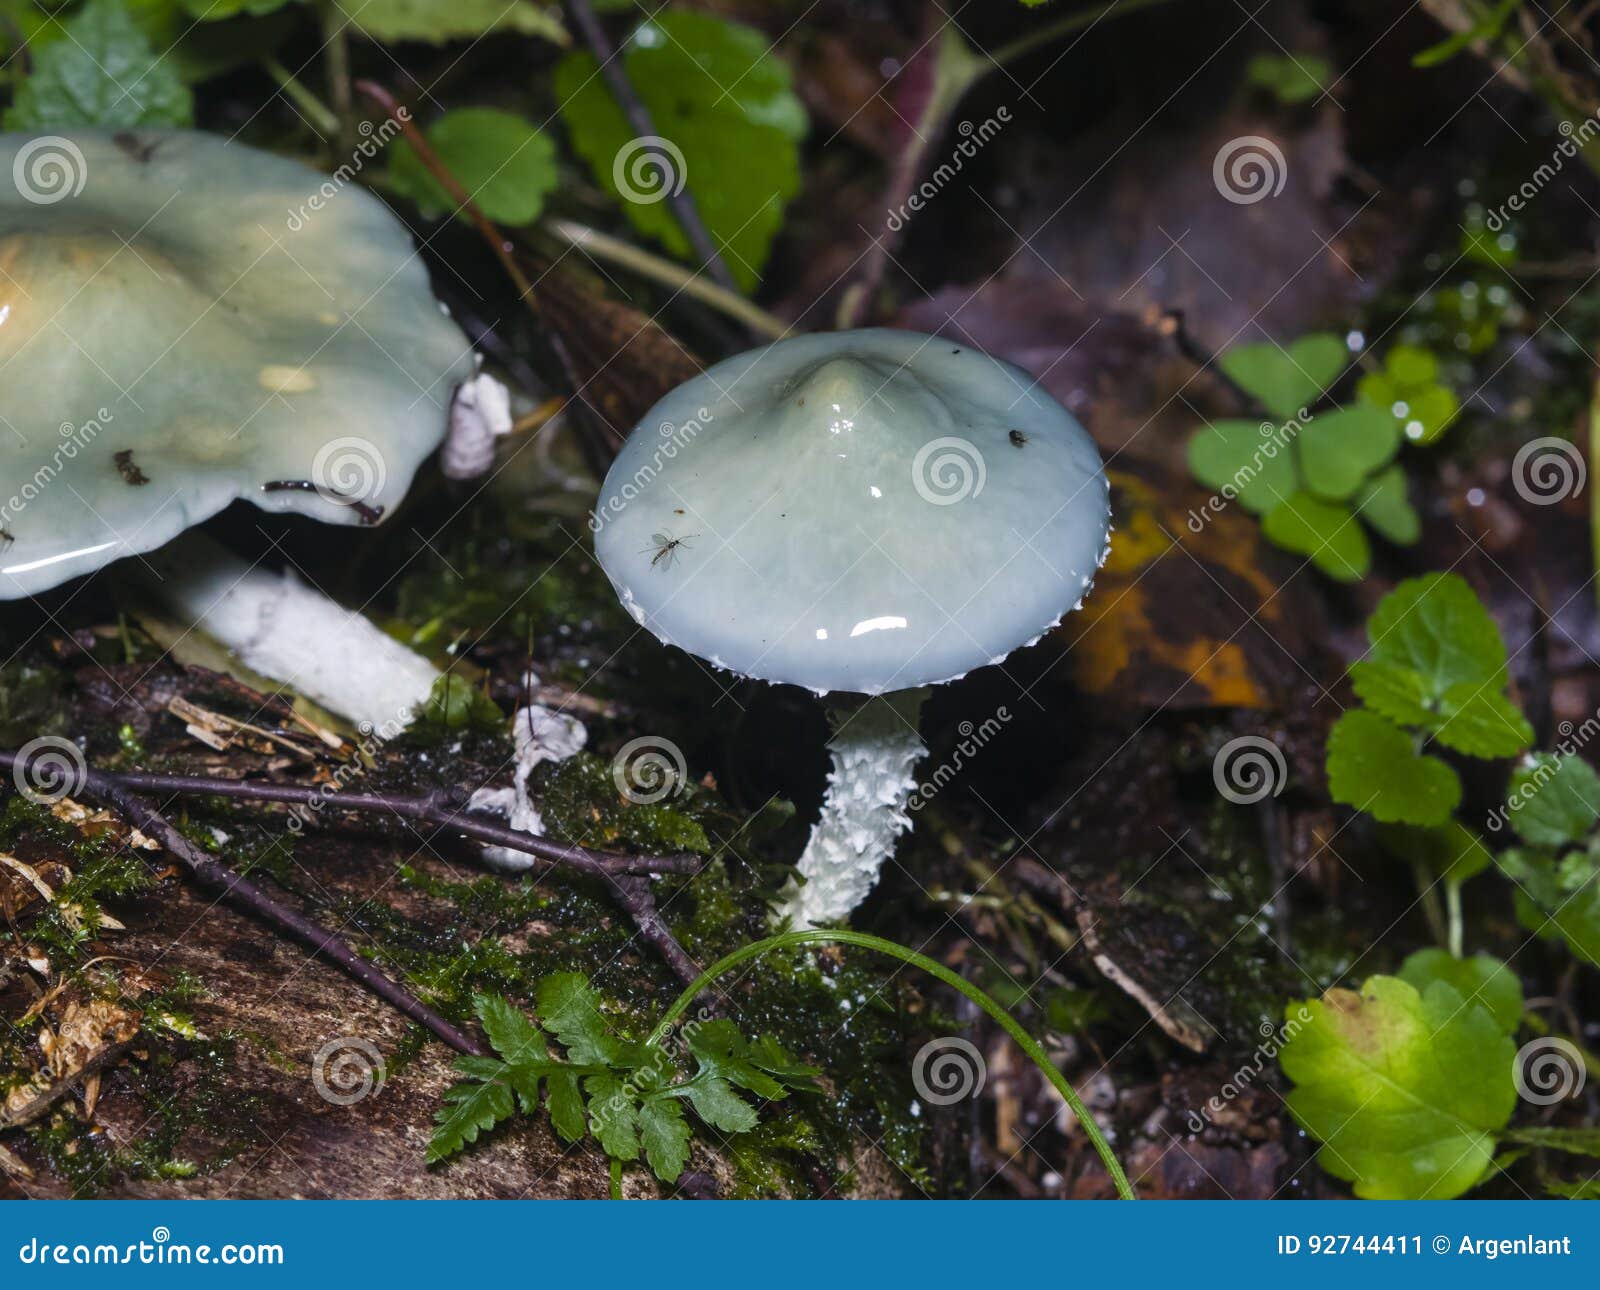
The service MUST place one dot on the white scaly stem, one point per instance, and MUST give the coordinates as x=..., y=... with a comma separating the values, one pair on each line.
x=278, y=626
x=874, y=748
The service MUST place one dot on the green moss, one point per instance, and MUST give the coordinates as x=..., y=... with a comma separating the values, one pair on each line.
x=31, y=703
x=581, y=802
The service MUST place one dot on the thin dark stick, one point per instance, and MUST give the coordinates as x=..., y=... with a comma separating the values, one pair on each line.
x=1172, y=324
x=214, y=874
x=633, y=894
x=596, y=864
x=639, y=120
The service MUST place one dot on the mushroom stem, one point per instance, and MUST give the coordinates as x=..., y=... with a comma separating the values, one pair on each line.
x=874, y=748
x=280, y=627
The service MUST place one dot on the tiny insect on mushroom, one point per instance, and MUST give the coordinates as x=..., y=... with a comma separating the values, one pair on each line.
x=184, y=322
x=874, y=512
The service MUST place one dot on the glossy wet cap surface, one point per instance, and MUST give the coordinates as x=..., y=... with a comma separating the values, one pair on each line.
x=184, y=320
x=860, y=511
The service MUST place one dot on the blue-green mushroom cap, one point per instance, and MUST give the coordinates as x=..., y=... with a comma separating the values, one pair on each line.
x=185, y=321
x=862, y=511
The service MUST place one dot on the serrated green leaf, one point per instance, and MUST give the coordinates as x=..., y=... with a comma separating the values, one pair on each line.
x=569, y=1009
x=1576, y=1141
x=1242, y=459
x=1481, y=722
x=106, y=74
x=715, y=1101
x=1374, y=766
x=1287, y=379
x=1395, y=691
x=1553, y=800
x=1325, y=531
x=1557, y=898
x=1481, y=979
x=439, y=21
x=566, y=1105
x=1383, y=501
x=737, y=133
x=613, y=1116
x=665, y=1136
x=1405, y=1090
x=469, y=1109
x=1340, y=449
x=1451, y=850
x=506, y=165
x=1437, y=626
x=720, y=1049
x=513, y=1036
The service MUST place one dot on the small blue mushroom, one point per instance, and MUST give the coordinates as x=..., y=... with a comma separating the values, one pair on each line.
x=864, y=513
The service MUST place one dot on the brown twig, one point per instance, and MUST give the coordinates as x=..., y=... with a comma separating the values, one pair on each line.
x=433, y=809
x=643, y=126
x=212, y=873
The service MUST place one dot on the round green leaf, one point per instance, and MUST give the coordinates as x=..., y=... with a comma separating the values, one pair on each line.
x=503, y=162
x=1245, y=460
x=1325, y=531
x=1340, y=449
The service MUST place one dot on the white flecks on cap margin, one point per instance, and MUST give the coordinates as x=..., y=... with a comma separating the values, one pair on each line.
x=862, y=513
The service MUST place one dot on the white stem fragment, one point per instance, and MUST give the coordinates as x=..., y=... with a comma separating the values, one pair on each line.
x=874, y=749
x=480, y=414
x=540, y=735
x=276, y=625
